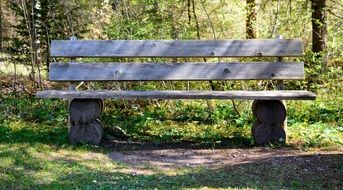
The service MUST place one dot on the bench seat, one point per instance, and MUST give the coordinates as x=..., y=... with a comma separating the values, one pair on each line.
x=239, y=95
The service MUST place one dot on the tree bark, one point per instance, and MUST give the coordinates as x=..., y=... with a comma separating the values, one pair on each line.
x=1, y=26
x=174, y=32
x=189, y=12
x=319, y=25
x=250, y=19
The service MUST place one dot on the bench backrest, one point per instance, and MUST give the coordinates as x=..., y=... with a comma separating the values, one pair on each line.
x=175, y=49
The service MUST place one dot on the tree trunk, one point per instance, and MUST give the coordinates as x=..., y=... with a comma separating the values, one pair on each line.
x=319, y=25
x=1, y=26
x=174, y=32
x=250, y=20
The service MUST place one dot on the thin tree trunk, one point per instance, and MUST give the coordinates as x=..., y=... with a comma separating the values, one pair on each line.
x=28, y=22
x=174, y=32
x=189, y=12
x=319, y=25
x=34, y=42
x=276, y=20
x=1, y=27
x=250, y=19
x=1, y=49
x=198, y=35
x=209, y=103
x=209, y=20
x=196, y=19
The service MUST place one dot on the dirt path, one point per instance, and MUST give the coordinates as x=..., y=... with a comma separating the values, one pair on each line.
x=217, y=158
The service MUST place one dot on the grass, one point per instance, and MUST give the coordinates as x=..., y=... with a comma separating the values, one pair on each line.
x=37, y=165
x=34, y=153
x=41, y=166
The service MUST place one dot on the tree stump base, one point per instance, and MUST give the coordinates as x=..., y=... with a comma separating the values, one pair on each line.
x=270, y=116
x=84, y=123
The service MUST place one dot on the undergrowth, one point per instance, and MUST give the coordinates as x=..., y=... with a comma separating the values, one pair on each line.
x=311, y=123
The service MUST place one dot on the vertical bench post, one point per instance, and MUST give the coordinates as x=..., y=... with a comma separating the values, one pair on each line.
x=84, y=125
x=72, y=85
x=281, y=86
x=271, y=117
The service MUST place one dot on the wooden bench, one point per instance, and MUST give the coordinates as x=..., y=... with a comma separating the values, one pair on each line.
x=86, y=106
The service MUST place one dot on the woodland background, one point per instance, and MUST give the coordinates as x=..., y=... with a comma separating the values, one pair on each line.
x=27, y=27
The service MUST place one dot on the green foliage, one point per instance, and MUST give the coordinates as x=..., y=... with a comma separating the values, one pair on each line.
x=35, y=28
x=319, y=76
x=32, y=110
x=316, y=135
x=149, y=20
x=176, y=121
x=27, y=120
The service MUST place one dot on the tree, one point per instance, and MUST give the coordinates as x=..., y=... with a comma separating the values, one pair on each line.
x=319, y=26
x=1, y=27
x=250, y=19
x=39, y=21
x=5, y=30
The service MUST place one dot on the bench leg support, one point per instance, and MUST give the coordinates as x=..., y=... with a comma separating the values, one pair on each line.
x=268, y=128
x=84, y=123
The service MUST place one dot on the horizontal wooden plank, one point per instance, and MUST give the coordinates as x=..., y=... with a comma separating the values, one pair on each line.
x=242, y=95
x=175, y=71
x=176, y=48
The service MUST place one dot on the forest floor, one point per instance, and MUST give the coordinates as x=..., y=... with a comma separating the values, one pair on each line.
x=43, y=166
x=259, y=167
x=173, y=158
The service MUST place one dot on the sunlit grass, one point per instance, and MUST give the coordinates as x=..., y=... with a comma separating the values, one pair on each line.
x=41, y=166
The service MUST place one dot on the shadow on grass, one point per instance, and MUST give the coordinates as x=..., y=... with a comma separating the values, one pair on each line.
x=235, y=142
x=20, y=131
x=26, y=171
x=17, y=166
x=289, y=172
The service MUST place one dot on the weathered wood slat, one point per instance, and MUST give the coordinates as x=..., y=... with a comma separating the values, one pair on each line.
x=243, y=95
x=176, y=48
x=175, y=71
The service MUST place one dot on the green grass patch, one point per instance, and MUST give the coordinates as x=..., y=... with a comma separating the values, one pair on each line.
x=42, y=166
